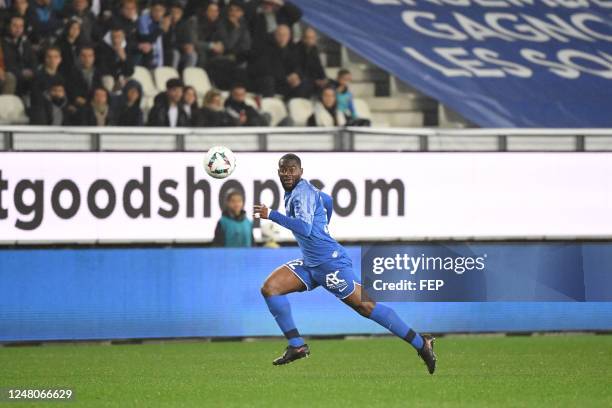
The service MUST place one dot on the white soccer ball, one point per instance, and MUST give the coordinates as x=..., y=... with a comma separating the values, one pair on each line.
x=219, y=162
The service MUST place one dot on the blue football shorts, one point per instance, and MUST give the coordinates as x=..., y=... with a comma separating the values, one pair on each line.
x=336, y=276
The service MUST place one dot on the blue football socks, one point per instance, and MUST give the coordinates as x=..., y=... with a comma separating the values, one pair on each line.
x=281, y=310
x=386, y=317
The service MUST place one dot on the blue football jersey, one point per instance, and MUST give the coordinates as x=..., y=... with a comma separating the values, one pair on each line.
x=308, y=212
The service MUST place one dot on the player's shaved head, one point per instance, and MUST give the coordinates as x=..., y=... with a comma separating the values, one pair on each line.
x=290, y=171
x=291, y=156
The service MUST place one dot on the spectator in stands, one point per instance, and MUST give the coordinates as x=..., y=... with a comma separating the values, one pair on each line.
x=203, y=26
x=277, y=71
x=344, y=99
x=233, y=33
x=22, y=9
x=46, y=23
x=47, y=74
x=152, y=24
x=114, y=60
x=190, y=104
x=19, y=58
x=98, y=112
x=212, y=113
x=69, y=44
x=326, y=113
x=238, y=109
x=234, y=229
x=127, y=21
x=52, y=109
x=179, y=46
x=309, y=60
x=84, y=78
x=269, y=15
x=130, y=113
x=79, y=9
x=168, y=110
x=8, y=81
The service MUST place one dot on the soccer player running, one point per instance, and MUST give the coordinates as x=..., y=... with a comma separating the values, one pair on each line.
x=325, y=262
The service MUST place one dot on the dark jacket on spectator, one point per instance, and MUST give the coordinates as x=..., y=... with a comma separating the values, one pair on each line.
x=236, y=40
x=158, y=116
x=202, y=32
x=174, y=39
x=47, y=113
x=274, y=65
x=18, y=55
x=130, y=28
x=234, y=108
x=130, y=115
x=207, y=117
x=309, y=61
x=109, y=62
x=42, y=81
x=69, y=54
x=282, y=62
x=78, y=86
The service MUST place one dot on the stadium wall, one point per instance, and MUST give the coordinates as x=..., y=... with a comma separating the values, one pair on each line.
x=77, y=294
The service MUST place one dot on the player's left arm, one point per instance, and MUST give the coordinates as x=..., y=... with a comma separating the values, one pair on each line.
x=328, y=204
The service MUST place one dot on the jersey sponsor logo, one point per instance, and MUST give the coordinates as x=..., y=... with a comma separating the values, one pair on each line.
x=332, y=281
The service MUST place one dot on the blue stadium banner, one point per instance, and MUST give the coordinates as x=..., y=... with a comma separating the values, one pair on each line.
x=542, y=272
x=499, y=63
x=119, y=293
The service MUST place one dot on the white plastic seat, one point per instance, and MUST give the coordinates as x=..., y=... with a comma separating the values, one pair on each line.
x=276, y=108
x=162, y=75
x=198, y=78
x=250, y=100
x=12, y=111
x=146, y=103
x=144, y=78
x=362, y=109
x=300, y=110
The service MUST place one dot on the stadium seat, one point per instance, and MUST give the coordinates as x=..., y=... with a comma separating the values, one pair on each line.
x=362, y=109
x=276, y=108
x=251, y=101
x=163, y=74
x=146, y=104
x=198, y=78
x=13, y=111
x=300, y=110
x=143, y=76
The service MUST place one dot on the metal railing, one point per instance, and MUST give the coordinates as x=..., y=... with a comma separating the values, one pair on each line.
x=40, y=138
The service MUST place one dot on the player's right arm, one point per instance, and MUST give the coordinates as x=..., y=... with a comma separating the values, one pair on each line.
x=303, y=208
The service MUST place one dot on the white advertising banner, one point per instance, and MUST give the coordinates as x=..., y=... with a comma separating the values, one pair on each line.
x=167, y=197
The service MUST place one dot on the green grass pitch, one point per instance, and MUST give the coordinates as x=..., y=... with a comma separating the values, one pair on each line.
x=473, y=371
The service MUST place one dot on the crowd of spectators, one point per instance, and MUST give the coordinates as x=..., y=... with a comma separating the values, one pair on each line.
x=71, y=61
